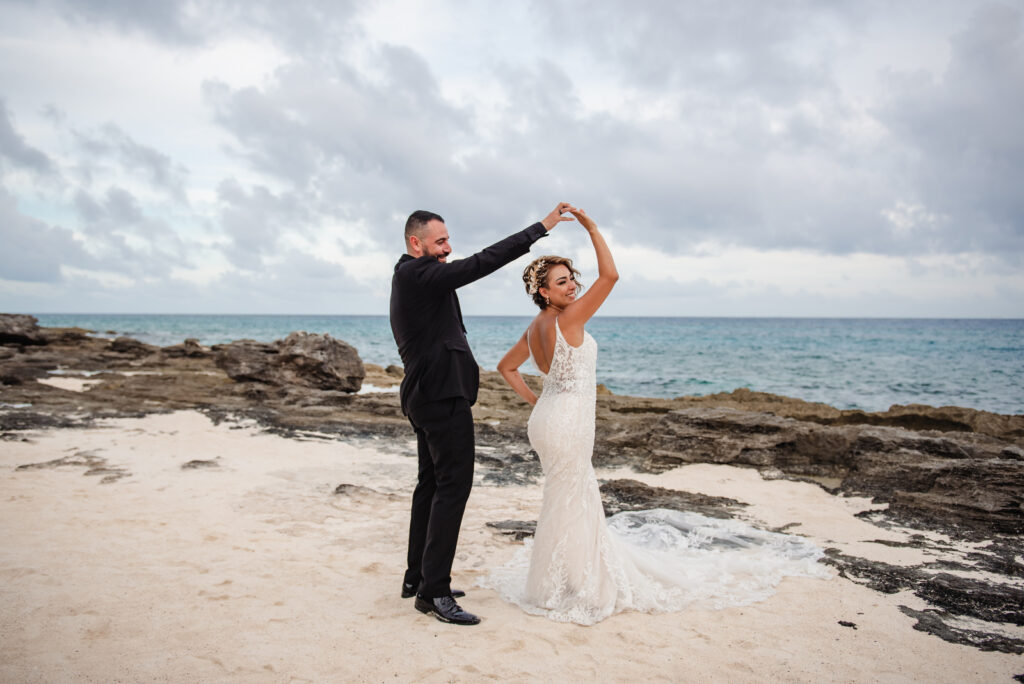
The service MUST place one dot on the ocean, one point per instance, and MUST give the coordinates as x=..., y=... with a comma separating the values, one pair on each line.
x=864, y=363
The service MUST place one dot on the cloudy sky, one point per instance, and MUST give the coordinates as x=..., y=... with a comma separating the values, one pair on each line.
x=792, y=158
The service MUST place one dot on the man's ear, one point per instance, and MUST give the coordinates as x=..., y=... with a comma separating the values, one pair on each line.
x=414, y=244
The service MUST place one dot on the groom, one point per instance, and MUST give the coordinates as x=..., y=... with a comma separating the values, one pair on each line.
x=440, y=384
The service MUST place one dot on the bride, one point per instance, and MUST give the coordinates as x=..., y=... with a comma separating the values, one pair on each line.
x=581, y=568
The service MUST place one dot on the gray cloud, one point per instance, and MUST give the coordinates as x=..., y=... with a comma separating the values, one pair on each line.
x=166, y=20
x=14, y=148
x=352, y=147
x=124, y=239
x=110, y=143
x=256, y=220
x=774, y=52
x=757, y=153
x=964, y=130
x=718, y=171
x=296, y=282
x=312, y=26
x=33, y=251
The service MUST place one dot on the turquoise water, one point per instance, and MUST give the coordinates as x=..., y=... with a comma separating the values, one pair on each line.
x=868, y=364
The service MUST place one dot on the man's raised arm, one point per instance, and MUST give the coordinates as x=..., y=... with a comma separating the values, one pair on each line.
x=435, y=274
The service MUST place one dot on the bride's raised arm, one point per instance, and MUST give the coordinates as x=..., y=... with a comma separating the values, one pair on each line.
x=580, y=311
x=509, y=369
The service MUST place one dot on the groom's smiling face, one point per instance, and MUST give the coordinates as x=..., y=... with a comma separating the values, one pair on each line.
x=434, y=241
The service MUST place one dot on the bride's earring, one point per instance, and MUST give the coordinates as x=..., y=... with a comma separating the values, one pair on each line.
x=547, y=301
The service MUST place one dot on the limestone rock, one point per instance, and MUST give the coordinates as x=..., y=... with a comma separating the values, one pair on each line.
x=190, y=348
x=20, y=329
x=320, y=361
x=516, y=529
x=632, y=495
x=132, y=347
x=302, y=359
x=247, y=360
x=958, y=478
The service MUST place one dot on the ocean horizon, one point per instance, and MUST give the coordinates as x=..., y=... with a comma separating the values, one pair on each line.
x=850, y=363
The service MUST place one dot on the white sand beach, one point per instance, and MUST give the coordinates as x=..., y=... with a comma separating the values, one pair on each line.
x=252, y=569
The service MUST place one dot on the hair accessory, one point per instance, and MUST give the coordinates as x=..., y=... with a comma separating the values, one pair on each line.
x=532, y=286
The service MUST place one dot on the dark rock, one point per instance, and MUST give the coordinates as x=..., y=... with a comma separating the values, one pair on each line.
x=196, y=464
x=1013, y=453
x=190, y=348
x=347, y=489
x=517, y=529
x=252, y=391
x=962, y=478
x=396, y=371
x=301, y=359
x=132, y=347
x=704, y=435
x=934, y=622
x=94, y=465
x=882, y=577
x=984, y=600
x=20, y=329
x=846, y=623
x=23, y=419
x=247, y=360
x=988, y=601
x=953, y=596
x=512, y=464
x=109, y=474
x=321, y=362
x=17, y=375
x=919, y=417
x=65, y=336
x=14, y=437
x=631, y=495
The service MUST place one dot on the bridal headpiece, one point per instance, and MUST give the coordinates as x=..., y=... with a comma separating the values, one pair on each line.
x=531, y=281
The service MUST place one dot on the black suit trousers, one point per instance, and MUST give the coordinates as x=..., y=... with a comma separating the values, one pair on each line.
x=445, y=444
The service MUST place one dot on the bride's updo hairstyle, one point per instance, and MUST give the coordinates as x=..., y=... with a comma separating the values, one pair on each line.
x=536, y=276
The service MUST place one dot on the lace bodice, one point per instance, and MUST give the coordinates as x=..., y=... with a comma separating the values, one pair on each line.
x=573, y=369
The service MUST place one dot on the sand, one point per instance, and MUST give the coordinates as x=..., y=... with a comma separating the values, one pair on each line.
x=249, y=568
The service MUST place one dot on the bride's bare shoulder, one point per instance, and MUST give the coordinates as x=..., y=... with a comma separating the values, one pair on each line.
x=543, y=326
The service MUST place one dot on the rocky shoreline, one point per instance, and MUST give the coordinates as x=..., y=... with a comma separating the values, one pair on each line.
x=953, y=474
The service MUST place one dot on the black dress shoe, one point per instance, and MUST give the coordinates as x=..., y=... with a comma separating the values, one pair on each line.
x=445, y=609
x=409, y=590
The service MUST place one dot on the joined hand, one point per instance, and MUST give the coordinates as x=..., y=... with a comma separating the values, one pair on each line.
x=555, y=217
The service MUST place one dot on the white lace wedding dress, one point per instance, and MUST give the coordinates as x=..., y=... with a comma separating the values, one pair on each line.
x=582, y=568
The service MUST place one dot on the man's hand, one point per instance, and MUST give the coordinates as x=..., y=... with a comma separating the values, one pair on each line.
x=555, y=217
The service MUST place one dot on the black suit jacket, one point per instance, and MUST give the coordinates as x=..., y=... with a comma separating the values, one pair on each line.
x=426, y=319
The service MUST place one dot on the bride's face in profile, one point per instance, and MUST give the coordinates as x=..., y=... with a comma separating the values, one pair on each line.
x=561, y=288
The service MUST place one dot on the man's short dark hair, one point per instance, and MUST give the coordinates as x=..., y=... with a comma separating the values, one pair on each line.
x=418, y=220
